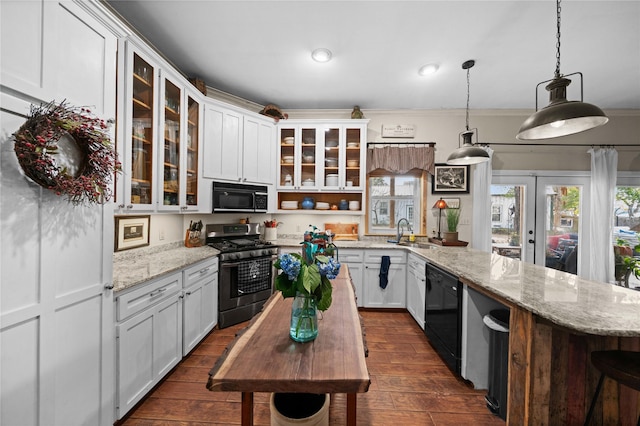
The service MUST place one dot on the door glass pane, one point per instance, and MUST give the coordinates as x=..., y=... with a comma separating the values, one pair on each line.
x=287, y=156
x=507, y=219
x=626, y=225
x=331, y=157
x=308, y=167
x=562, y=220
x=193, y=119
x=171, y=144
x=142, y=132
x=353, y=157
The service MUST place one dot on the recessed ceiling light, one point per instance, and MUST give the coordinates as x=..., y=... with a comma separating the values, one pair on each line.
x=321, y=55
x=428, y=69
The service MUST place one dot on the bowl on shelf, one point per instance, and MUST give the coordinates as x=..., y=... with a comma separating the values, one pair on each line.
x=322, y=206
x=331, y=162
x=288, y=140
x=308, y=158
x=353, y=163
x=354, y=205
x=309, y=140
x=287, y=159
x=308, y=182
x=353, y=144
x=331, y=143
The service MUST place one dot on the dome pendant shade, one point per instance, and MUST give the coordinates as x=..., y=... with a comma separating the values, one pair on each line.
x=468, y=153
x=561, y=117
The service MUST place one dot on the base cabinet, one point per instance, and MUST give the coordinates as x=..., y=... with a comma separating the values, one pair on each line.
x=416, y=288
x=200, y=303
x=149, y=343
x=159, y=322
x=354, y=259
x=394, y=295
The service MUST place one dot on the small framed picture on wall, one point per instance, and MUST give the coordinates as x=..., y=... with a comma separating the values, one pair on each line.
x=131, y=232
x=450, y=179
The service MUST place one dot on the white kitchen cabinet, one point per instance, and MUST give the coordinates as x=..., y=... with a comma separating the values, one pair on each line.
x=200, y=302
x=394, y=295
x=238, y=147
x=160, y=152
x=321, y=158
x=56, y=311
x=354, y=259
x=149, y=337
x=416, y=287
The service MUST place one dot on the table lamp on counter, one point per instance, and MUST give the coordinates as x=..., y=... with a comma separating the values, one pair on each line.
x=440, y=204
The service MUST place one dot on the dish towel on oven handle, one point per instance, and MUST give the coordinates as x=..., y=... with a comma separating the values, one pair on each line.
x=384, y=271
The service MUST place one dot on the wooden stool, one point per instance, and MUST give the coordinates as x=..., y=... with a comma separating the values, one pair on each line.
x=621, y=366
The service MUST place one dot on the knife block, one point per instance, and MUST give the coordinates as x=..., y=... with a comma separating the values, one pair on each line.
x=192, y=239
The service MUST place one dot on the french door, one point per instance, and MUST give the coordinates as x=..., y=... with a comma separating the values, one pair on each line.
x=541, y=219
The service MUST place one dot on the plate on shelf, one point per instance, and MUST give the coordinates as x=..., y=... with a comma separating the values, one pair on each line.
x=322, y=206
x=288, y=140
x=353, y=144
x=289, y=205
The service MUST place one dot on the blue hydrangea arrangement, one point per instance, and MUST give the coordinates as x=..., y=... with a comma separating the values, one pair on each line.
x=308, y=275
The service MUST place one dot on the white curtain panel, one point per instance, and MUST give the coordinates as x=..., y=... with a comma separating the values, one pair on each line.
x=604, y=166
x=481, y=230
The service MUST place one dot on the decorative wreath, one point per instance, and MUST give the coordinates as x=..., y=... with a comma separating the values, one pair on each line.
x=36, y=145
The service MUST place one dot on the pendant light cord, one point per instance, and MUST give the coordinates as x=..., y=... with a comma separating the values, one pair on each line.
x=468, y=90
x=558, y=9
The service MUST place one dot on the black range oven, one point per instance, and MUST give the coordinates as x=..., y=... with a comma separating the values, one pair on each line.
x=245, y=277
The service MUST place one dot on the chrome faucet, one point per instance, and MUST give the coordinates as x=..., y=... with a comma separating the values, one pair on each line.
x=399, y=231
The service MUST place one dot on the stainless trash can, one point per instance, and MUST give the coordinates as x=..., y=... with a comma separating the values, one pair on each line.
x=498, y=323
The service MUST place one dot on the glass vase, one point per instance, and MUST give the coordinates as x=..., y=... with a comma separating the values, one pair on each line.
x=304, y=318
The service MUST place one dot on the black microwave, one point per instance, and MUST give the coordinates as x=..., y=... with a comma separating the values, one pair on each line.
x=239, y=198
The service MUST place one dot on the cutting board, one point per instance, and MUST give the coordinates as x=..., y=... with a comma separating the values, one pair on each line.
x=343, y=231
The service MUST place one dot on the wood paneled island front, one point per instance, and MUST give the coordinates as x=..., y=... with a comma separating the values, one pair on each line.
x=263, y=358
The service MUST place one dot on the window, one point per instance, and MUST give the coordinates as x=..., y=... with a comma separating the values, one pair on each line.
x=394, y=197
x=496, y=213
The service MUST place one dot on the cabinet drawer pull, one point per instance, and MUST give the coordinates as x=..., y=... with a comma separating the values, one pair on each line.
x=454, y=288
x=157, y=292
x=204, y=270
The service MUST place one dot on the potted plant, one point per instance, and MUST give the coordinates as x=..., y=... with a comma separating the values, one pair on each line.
x=625, y=263
x=305, y=277
x=453, y=218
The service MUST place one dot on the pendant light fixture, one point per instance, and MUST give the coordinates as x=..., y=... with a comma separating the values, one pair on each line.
x=560, y=117
x=468, y=153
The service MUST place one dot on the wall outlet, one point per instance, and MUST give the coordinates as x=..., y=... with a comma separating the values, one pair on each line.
x=161, y=235
x=297, y=228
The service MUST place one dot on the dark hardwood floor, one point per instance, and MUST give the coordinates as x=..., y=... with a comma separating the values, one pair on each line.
x=410, y=385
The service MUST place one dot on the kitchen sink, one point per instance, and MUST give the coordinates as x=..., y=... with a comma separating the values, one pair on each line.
x=418, y=245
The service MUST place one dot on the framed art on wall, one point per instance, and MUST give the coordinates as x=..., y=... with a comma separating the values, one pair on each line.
x=131, y=232
x=449, y=179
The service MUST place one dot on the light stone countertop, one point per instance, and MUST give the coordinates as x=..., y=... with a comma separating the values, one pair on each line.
x=564, y=299
x=138, y=266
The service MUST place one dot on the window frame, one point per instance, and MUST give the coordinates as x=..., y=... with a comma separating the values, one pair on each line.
x=423, y=182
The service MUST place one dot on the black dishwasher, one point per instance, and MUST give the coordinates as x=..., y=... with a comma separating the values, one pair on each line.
x=443, y=312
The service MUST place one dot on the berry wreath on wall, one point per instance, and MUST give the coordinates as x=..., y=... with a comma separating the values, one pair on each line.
x=68, y=151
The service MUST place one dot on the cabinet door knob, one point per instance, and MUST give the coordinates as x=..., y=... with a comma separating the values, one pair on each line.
x=531, y=241
x=109, y=286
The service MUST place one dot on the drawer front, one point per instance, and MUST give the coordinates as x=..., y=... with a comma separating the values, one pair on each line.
x=147, y=295
x=350, y=255
x=417, y=264
x=195, y=273
x=396, y=256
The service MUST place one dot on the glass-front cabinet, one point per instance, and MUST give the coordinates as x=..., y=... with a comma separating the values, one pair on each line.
x=171, y=145
x=161, y=137
x=324, y=160
x=141, y=173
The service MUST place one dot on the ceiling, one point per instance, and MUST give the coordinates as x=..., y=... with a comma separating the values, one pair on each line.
x=260, y=50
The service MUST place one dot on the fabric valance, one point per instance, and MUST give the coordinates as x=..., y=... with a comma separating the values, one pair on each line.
x=401, y=159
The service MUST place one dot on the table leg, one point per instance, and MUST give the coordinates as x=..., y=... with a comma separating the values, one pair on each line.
x=247, y=409
x=351, y=409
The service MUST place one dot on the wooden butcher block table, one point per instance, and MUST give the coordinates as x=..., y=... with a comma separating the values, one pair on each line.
x=263, y=358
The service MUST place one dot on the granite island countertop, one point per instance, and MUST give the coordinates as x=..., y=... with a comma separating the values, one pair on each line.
x=581, y=305
x=138, y=266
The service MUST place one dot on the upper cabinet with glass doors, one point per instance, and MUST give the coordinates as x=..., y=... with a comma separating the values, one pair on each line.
x=138, y=152
x=160, y=168
x=321, y=156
